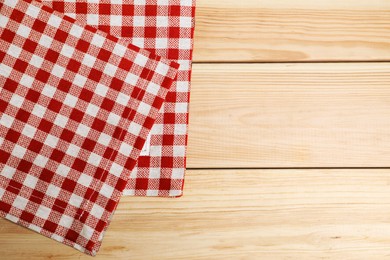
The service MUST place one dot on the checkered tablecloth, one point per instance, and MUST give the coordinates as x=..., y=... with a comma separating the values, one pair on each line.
x=76, y=106
x=166, y=28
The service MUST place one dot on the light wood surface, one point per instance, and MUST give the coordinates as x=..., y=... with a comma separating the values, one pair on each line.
x=286, y=30
x=332, y=111
x=242, y=214
x=290, y=115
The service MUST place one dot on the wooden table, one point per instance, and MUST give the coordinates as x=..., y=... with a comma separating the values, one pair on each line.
x=289, y=143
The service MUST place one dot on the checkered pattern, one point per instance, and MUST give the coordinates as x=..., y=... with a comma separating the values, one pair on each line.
x=76, y=106
x=166, y=28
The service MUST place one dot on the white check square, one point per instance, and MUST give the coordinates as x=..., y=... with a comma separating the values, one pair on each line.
x=70, y=100
x=16, y=101
x=139, y=21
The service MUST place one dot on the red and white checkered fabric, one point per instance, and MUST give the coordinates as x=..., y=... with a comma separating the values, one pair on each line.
x=165, y=27
x=76, y=106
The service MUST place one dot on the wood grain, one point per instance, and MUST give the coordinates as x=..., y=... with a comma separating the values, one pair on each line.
x=290, y=115
x=241, y=214
x=268, y=30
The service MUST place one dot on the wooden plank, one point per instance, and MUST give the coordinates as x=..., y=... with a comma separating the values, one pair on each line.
x=241, y=214
x=268, y=30
x=290, y=115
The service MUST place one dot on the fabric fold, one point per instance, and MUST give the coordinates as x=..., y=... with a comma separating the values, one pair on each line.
x=76, y=106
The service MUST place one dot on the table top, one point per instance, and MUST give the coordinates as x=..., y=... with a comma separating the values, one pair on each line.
x=289, y=142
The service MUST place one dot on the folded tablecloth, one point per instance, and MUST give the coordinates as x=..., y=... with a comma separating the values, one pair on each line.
x=166, y=28
x=76, y=106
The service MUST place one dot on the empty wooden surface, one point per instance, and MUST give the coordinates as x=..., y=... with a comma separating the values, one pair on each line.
x=287, y=30
x=290, y=115
x=331, y=118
